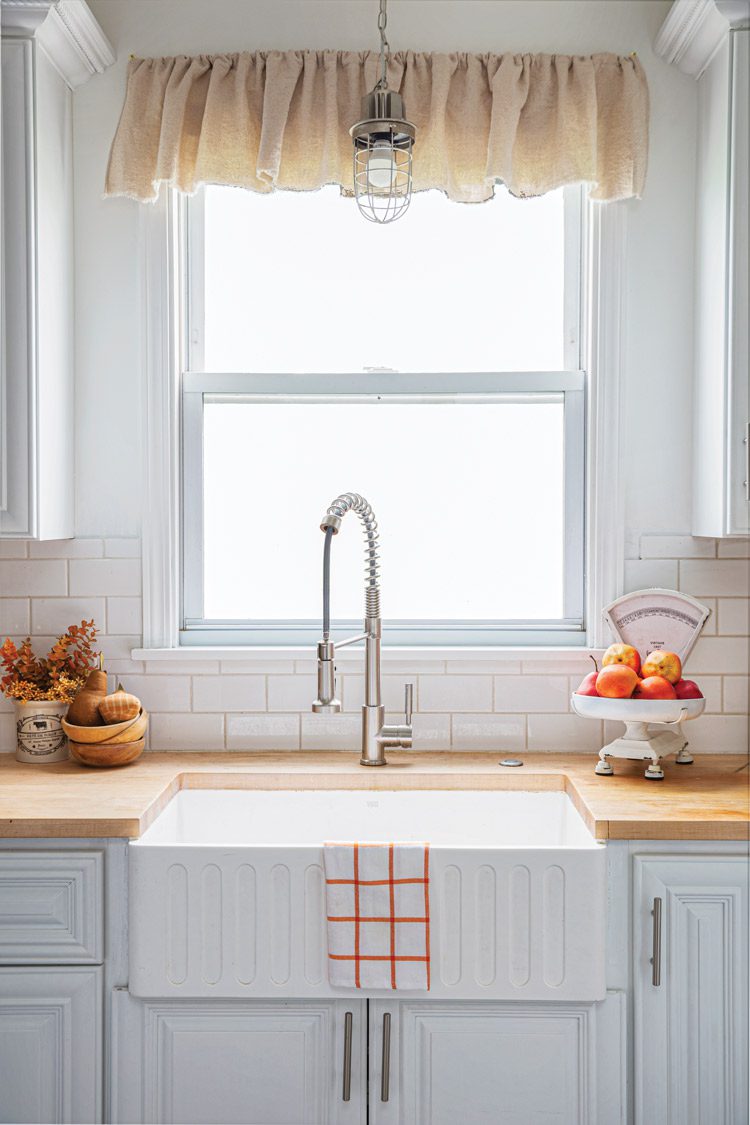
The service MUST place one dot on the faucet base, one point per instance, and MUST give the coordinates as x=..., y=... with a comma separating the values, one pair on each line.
x=366, y=762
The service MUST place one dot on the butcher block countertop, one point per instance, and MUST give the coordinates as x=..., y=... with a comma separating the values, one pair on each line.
x=709, y=800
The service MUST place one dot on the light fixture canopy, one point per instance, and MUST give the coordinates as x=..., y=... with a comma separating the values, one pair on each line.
x=383, y=141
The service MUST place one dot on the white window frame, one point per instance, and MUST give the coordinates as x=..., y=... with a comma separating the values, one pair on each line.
x=595, y=312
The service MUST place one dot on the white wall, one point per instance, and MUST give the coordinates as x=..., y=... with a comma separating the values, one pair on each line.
x=657, y=351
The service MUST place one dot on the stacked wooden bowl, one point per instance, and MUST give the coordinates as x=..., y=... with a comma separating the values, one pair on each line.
x=113, y=744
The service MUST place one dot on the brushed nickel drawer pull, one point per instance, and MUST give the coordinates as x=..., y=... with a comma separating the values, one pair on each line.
x=346, y=1092
x=656, y=944
x=385, y=1076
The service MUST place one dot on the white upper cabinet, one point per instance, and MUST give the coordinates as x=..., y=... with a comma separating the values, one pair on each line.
x=710, y=41
x=47, y=50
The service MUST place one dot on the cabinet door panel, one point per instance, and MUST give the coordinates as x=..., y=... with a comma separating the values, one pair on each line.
x=236, y=1062
x=50, y=1045
x=484, y=1063
x=691, y=1028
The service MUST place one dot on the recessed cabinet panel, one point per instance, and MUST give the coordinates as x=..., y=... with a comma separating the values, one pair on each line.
x=50, y=1045
x=690, y=961
x=238, y=1062
x=51, y=907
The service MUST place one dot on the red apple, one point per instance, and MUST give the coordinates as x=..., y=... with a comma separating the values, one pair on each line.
x=616, y=681
x=587, y=685
x=660, y=663
x=687, y=689
x=622, y=654
x=654, y=687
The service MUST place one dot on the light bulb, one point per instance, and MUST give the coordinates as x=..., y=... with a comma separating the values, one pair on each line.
x=381, y=167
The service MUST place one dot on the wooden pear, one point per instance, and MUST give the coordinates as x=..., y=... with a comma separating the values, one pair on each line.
x=119, y=706
x=84, y=710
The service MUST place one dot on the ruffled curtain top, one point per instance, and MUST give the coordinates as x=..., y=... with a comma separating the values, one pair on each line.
x=280, y=119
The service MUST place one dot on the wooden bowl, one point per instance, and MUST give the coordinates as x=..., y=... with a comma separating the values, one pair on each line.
x=107, y=754
x=128, y=731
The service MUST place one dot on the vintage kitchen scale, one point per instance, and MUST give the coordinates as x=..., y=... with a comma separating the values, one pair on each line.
x=649, y=620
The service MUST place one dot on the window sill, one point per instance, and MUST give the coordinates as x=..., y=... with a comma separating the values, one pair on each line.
x=424, y=655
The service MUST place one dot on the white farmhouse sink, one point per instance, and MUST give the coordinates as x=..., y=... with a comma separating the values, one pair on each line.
x=227, y=892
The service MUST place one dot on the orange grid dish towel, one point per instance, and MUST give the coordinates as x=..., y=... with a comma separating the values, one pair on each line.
x=378, y=913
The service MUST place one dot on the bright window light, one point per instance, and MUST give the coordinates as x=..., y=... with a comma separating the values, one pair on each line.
x=469, y=500
x=296, y=282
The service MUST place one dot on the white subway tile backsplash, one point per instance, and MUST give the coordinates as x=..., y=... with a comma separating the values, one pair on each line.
x=189, y=731
x=718, y=734
x=489, y=732
x=122, y=548
x=734, y=548
x=124, y=615
x=292, y=693
x=263, y=732
x=161, y=693
x=677, y=547
x=455, y=693
x=531, y=693
x=15, y=617
x=66, y=549
x=736, y=694
x=431, y=732
x=7, y=732
x=643, y=574
x=489, y=701
x=714, y=655
x=34, y=578
x=14, y=549
x=112, y=577
x=564, y=732
x=229, y=693
x=734, y=617
x=331, y=732
x=54, y=615
x=721, y=578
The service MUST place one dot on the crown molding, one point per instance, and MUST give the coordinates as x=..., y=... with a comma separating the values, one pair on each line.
x=695, y=29
x=66, y=31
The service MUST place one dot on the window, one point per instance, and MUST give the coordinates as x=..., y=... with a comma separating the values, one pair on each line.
x=433, y=366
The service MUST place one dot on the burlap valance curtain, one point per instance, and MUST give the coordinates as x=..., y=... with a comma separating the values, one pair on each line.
x=280, y=120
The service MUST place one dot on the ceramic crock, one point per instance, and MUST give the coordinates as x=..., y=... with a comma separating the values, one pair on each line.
x=39, y=733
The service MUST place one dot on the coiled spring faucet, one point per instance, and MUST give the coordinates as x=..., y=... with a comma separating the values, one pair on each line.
x=376, y=734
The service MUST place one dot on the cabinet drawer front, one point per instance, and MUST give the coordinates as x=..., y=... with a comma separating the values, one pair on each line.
x=51, y=907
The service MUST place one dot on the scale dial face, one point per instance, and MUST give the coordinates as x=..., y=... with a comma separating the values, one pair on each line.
x=657, y=619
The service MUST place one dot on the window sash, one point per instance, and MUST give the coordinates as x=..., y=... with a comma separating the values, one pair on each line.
x=481, y=387
x=196, y=386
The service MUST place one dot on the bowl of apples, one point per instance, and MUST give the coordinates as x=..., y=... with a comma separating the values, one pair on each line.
x=652, y=691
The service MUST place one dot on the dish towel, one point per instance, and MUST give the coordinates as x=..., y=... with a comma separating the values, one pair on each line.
x=378, y=914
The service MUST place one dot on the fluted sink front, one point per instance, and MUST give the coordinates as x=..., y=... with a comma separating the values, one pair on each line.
x=227, y=892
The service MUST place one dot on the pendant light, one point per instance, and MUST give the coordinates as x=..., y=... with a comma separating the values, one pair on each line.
x=383, y=141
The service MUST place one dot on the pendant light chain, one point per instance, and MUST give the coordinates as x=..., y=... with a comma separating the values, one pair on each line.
x=385, y=47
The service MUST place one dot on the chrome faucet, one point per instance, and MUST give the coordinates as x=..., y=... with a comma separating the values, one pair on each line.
x=376, y=734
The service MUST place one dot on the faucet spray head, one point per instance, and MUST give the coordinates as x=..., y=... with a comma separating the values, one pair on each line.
x=326, y=703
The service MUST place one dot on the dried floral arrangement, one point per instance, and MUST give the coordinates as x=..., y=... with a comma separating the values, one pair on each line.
x=59, y=675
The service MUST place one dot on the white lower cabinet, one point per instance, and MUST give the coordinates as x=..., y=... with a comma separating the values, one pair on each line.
x=236, y=1062
x=690, y=963
x=50, y=1044
x=270, y=1062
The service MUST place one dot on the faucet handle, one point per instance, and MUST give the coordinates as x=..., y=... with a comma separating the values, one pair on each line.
x=408, y=702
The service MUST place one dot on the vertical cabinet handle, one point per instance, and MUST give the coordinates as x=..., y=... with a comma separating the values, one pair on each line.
x=385, y=1072
x=656, y=944
x=346, y=1091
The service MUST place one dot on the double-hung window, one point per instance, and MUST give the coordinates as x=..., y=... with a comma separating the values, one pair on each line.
x=434, y=366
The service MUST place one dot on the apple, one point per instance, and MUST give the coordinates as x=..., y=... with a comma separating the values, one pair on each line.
x=622, y=654
x=660, y=663
x=587, y=685
x=616, y=681
x=687, y=689
x=654, y=687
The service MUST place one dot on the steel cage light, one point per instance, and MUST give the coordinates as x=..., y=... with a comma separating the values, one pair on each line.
x=383, y=141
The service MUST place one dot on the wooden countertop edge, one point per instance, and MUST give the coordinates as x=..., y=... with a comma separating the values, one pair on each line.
x=441, y=772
